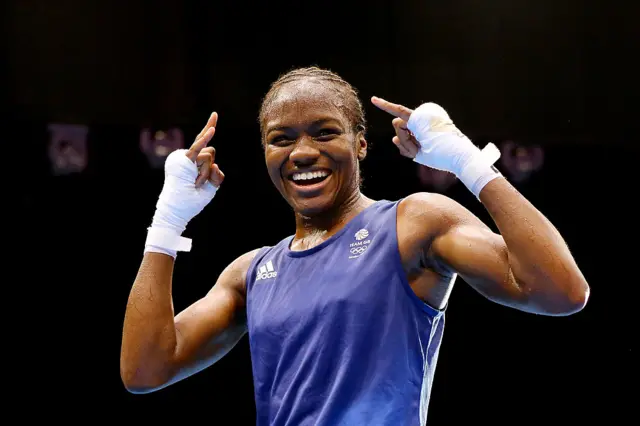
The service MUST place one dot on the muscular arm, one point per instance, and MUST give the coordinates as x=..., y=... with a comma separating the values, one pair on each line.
x=528, y=266
x=159, y=349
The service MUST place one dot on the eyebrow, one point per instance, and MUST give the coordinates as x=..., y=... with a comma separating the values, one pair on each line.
x=315, y=123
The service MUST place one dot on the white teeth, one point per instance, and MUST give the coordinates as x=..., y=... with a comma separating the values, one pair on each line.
x=309, y=175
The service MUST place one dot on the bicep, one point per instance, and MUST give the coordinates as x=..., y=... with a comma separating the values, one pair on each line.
x=210, y=327
x=478, y=255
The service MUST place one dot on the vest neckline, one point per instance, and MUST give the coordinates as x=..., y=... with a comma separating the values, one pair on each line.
x=330, y=240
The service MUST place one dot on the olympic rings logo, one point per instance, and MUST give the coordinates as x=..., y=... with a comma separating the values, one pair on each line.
x=358, y=250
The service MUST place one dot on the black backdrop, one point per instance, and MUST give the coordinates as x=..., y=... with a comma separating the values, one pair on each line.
x=547, y=73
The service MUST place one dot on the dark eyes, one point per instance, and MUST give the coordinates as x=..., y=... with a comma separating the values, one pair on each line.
x=322, y=135
x=278, y=139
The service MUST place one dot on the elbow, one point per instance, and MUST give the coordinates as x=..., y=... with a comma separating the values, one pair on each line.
x=137, y=390
x=576, y=290
x=138, y=382
x=558, y=290
x=144, y=370
x=140, y=388
x=574, y=287
x=578, y=297
x=134, y=386
x=567, y=299
x=572, y=305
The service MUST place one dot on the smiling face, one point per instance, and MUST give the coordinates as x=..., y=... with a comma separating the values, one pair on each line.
x=312, y=149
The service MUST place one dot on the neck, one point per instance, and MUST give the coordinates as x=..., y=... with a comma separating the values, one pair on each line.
x=329, y=222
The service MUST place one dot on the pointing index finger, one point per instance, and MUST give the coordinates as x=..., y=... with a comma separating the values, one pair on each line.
x=203, y=138
x=200, y=144
x=396, y=110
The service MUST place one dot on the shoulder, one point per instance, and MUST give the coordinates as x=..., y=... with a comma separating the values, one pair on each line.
x=430, y=211
x=234, y=276
x=423, y=217
x=437, y=210
x=242, y=263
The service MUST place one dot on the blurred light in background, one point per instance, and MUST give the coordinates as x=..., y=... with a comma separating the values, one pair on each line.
x=519, y=162
x=159, y=144
x=68, y=148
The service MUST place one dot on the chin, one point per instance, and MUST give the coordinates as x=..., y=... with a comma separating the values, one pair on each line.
x=312, y=206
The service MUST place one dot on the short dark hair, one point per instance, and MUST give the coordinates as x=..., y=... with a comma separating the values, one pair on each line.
x=352, y=104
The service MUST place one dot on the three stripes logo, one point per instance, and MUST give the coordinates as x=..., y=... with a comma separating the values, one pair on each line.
x=266, y=271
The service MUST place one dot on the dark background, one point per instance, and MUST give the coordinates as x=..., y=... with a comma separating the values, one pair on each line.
x=555, y=74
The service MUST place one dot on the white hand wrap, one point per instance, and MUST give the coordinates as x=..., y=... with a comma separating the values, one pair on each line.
x=179, y=202
x=444, y=147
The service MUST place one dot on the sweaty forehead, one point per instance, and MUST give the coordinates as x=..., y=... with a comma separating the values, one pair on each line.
x=303, y=102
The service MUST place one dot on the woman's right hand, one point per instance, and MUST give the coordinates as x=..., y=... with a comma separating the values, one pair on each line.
x=204, y=156
x=192, y=179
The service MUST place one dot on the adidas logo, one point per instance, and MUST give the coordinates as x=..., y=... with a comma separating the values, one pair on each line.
x=266, y=271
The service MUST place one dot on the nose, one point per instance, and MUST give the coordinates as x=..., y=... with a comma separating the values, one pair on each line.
x=305, y=153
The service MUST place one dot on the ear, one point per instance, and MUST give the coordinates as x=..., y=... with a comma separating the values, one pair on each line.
x=361, y=146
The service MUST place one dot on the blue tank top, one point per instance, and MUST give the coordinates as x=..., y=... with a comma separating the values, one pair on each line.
x=337, y=335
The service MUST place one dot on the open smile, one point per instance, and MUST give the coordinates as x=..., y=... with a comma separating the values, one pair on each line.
x=310, y=181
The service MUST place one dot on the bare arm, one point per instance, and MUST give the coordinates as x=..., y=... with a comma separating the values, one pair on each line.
x=159, y=349
x=527, y=267
x=537, y=255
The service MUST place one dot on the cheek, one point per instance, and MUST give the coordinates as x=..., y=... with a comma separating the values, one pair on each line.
x=274, y=161
x=347, y=154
